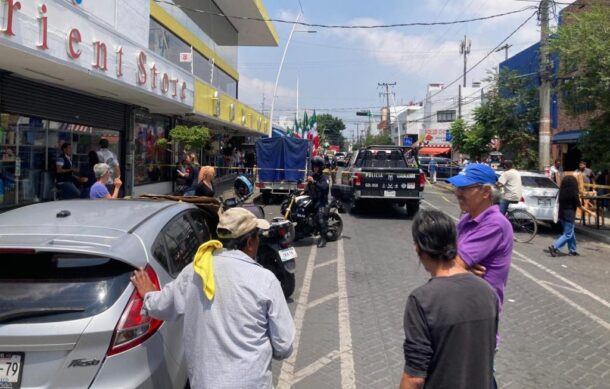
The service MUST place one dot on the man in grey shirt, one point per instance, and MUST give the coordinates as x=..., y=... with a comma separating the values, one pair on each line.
x=235, y=314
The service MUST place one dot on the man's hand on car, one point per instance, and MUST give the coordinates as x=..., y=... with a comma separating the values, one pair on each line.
x=142, y=282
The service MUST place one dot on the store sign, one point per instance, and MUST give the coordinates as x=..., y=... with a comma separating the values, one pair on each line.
x=92, y=47
x=433, y=136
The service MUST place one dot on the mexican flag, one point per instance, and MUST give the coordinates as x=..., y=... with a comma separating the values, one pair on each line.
x=313, y=133
x=297, y=127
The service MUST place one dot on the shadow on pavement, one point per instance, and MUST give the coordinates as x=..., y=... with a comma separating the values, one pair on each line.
x=379, y=211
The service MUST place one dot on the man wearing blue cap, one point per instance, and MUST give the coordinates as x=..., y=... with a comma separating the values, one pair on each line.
x=485, y=236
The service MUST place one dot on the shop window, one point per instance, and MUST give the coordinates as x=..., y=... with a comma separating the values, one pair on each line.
x=29, y=148
x=152, y=162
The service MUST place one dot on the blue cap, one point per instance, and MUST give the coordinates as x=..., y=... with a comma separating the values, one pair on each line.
x=474, y=173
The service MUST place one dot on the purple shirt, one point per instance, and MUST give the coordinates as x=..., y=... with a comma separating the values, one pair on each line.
x=487, y=240
x=98, y=191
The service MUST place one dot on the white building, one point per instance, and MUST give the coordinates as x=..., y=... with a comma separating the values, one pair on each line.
x=406, y=122
x=441, y=108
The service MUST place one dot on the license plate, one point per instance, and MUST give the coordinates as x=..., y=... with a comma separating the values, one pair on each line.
x=11, y=368
x=389, y=193
x=544, y=202
x=288, y=254
x=410, y=185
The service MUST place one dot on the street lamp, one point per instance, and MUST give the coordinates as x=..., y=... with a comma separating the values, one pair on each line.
x=279, y=71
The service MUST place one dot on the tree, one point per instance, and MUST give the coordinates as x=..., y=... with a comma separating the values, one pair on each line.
x=330, y=129
x=381, y=139
x=193, y=138
x=583, y=45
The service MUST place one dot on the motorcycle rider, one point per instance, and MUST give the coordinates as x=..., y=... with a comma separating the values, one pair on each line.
x=317, y=188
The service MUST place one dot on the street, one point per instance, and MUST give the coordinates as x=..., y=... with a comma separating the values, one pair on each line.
x=349, y=304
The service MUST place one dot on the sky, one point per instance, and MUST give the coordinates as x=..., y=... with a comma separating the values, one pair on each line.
x=338, y=70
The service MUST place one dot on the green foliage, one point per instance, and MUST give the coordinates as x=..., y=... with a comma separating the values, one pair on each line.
x=381, y=139
x=583, y=44
x=509, y=108
x=330, y=129
x=194, y=137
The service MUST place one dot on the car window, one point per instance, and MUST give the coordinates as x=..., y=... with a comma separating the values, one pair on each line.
x=538, y=182
x=53, y=287
x=182, y=243
x=159, y=252
x=201, y=227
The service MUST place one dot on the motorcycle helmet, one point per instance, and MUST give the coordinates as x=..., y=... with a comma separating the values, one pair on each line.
x=243, y=187
x=317, y=162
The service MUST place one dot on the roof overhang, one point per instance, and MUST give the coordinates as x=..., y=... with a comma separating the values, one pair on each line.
x=249, y=32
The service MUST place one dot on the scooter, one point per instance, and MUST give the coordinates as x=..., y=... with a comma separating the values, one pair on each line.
x=299, y=209
x=275, y=250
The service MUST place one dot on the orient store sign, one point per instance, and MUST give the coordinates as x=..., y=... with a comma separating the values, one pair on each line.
x=55, y=30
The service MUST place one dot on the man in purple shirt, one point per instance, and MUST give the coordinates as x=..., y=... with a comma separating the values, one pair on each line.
x=485, y=236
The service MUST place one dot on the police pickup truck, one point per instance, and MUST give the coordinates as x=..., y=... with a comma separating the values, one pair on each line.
x=382, y=174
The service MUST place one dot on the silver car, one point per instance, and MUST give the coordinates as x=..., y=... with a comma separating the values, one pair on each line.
x=69, y=316
x=539, y=195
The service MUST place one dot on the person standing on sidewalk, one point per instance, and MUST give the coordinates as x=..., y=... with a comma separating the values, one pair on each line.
x=510, y=182
x=235, y=315
x=450, y=322
x=432, y=169
x=569, y=202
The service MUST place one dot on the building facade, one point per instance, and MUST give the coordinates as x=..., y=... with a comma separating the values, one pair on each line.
x=123, y=70
x=441, y=108
x=406, y=122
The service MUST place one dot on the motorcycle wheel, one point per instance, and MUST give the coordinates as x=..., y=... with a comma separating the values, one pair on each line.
x=335, y=227
x=270, y=260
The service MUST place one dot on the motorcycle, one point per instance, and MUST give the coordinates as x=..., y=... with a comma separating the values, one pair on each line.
x=275, y=250
x=299, y=209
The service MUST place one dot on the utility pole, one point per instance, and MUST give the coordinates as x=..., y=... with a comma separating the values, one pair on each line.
x=387, y=96
x=459, y=101
x=544, y=133
x=465, y=50
x=505, y=48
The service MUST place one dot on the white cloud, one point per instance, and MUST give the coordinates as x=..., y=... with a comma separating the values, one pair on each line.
x=251, y=92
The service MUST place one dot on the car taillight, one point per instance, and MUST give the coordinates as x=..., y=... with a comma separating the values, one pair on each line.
x=260, y=185
x=133, y=328
x=357, y=179
x=422, y=180
x=522, y=199
x=300, y=186
x=16, y=251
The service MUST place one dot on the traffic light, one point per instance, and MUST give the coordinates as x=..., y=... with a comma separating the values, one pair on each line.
x=363, y=113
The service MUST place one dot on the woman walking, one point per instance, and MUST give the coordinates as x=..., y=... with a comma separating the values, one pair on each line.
x=569, y=201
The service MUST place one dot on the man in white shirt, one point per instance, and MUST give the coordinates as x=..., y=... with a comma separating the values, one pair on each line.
x=235, y=315
x=106, y=156
x=557, y=172
x=510, y=182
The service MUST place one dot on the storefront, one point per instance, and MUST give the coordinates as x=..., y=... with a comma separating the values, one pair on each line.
x=35, y=120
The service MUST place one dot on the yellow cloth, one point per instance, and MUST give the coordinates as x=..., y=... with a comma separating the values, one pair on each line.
x=203, y=264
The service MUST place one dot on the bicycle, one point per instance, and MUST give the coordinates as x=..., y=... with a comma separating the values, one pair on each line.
x=524, y=225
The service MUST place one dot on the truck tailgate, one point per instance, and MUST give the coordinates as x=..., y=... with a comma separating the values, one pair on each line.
x=390, y=184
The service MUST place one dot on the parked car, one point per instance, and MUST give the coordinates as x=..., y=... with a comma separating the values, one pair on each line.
x=445, y=167
x=69, y=315
x=340, y=158
x=539, y=195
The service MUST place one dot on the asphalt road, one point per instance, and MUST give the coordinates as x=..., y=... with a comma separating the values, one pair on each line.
x=349, y=304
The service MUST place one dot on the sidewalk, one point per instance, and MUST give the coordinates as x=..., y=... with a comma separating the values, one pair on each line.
x=589, y=230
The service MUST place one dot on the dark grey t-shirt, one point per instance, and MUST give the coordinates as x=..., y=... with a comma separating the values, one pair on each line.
x=450, y=332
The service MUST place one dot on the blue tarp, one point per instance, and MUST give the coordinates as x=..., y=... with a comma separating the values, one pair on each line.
x=281, y=158
x=572, y=136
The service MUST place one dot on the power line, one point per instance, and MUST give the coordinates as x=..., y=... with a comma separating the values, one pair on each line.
x=343, y=26
x=487, y=55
